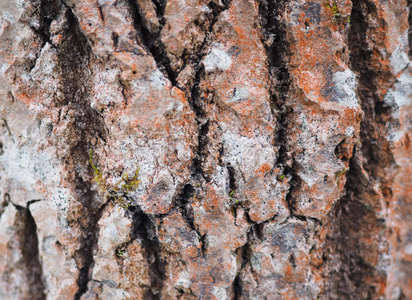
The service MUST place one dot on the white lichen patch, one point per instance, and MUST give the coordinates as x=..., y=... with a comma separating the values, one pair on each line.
x=399, y=59
x=183, y=281
x=345, y=88
x=401, y=94
x=239, y=94
x=396, y=136
x=238, y=149
x=408, y=249
x=25, y=169
x=217, y=58
x=158, y=80
x=220, y=293
x=349, y=131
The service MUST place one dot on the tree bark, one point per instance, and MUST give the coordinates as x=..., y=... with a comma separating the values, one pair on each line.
x=233, y=149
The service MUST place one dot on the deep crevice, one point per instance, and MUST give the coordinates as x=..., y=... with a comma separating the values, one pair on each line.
x=342, y=150
x=348, y=234
x=48, y=11
x=29, y=247
x=203, y=243
x=292, y=260
x=193, y=92
x=203, y=125
x=353, y=221
x=183, y=203
x=74, y=56
x=244, y=254
x=151, y=40
x=144, y=229
x=202, y=150
x=410, y=29
x=4, y=203
x=160, y=7
x=194, y=57
x=90, y=233
x=295, y=184
x=374, y=144
x=278, y=50
x=232, y=180
x=306, y=219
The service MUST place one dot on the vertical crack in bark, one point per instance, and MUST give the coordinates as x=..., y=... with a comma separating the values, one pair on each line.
x=375, y=146
x=143, y=228
x=355, y=223
x=74, y=58
x=194, y=58
x=183, y=202
x=90, y=230
x=232, y=180
x=294, y=185
x=29, y=247
x=160, y=7
x=48, y=10
x=4, y=203
x=244, y=254
x=277, y=48
x=74, y=55
x=410, y=29
x=193, y=93
x=352, y=221
x=151, y=40
x=202, y=123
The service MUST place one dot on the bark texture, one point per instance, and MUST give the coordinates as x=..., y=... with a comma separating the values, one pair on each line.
x=193, y=149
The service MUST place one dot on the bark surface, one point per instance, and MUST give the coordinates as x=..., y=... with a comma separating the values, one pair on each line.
x=193, y=149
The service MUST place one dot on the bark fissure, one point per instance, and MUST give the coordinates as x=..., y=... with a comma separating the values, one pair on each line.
x=410, y=29
x=152, y=42
x=144, y=229
x=4, y=203
x=183, y=203
x=244, y=254
x=232, y=180
x=90, y=233
x=160, y=6
x=193, y=94
x=202, y=123
x=357, y=222
x=196, y=57
x=74, y=56
x=48, y=11
x=277, y=46
x=277, y=49
x=350, y=217
x=294, y=185
x=29, y=247
x=374, y=143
